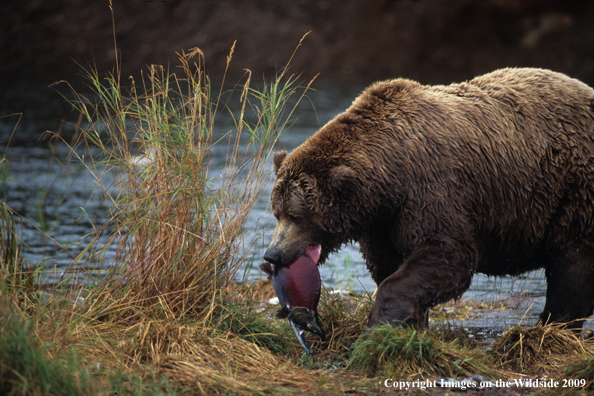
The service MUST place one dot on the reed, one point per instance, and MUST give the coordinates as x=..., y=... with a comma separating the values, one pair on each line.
x=12, y=273
x=168, y=307
x=178, y=227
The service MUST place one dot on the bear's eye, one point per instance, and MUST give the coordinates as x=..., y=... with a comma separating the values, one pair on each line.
x=292, y=218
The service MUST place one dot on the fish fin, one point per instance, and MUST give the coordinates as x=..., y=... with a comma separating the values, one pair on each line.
x=300, y=337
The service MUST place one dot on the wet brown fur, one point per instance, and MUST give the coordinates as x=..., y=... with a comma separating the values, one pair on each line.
x=435, y=183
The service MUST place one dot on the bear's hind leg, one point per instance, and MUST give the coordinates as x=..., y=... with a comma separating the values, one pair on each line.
x=570, y=286
x=437, y=271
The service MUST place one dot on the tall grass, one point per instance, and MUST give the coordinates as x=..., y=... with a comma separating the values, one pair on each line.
x=168, y=306
x=11, y=262
x=178, y=229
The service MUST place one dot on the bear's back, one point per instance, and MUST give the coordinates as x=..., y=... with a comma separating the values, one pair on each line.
x=508, y=147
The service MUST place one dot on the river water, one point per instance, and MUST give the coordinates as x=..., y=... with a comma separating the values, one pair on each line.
x=61, y=198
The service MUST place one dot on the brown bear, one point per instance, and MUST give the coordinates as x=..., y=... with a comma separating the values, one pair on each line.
x=494, y=175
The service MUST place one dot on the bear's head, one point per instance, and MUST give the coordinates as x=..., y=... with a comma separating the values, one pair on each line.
x=308, y=200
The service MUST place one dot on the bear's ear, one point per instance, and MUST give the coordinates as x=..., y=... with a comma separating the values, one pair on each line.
x=277, y=160
x=341, y=177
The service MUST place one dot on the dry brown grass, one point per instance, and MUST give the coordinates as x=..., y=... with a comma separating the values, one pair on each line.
x=581, y=368
x=243, y=350
x=198, y=355
x=540, y=350
x=343, y=319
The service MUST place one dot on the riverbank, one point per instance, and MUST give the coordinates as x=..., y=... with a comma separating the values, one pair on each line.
x=83, y=346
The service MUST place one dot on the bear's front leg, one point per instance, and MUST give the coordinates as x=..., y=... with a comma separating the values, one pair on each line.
x=437, y=271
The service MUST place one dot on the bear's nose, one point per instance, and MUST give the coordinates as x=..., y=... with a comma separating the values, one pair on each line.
x=273, y=256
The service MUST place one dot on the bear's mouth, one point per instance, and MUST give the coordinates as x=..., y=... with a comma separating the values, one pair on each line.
x=298, y=288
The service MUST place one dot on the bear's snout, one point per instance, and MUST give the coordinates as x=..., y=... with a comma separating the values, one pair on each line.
x=289, y=241
x=273, y=256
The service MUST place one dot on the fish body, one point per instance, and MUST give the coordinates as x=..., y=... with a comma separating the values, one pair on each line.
x=298, y=289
